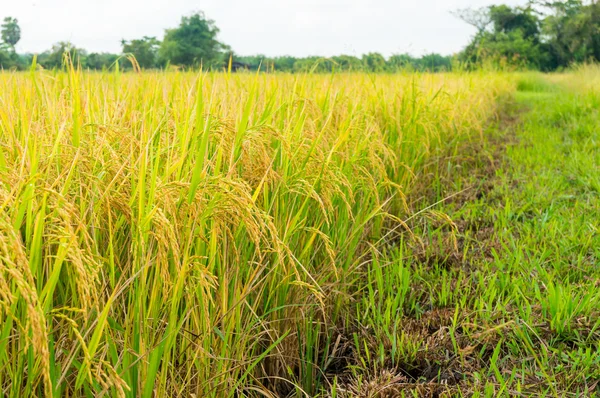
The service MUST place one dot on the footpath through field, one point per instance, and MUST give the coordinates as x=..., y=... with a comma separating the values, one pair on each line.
x=501, y=289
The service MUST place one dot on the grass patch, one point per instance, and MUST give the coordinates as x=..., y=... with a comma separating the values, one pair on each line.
x=535, y=83
x=502, y=295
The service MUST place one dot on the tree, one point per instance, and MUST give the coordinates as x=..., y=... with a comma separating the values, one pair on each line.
x=547, y=34
x=434, y=63
x=348, y=63
x=193, y=43
x=284, y=63
x=8, y=59
x=144, y=50
x=572, y=31
x=312, y=64
x=506, y=19
x=100, y=61
x=510, y=36
x=398, y=62
x=54, y=58
x=374, y=62
x=11, y=32
x=427, y=63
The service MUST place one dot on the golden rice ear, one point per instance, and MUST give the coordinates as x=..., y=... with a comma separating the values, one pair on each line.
x=15, y=271
x=180, y=233
x=134, y=63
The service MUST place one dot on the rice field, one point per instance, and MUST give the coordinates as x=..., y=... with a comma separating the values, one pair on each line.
x=227, y=235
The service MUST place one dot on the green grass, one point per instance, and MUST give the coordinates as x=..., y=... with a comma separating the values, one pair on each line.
x=504, y=300
x=535, y=83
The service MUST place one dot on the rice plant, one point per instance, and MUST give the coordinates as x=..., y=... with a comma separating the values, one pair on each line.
x=204, y=234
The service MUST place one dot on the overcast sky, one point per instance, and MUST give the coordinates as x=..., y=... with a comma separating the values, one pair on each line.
x=270, y=27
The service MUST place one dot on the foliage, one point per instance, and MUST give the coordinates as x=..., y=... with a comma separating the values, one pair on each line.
x=573, y=34
x=10, y=32
x=507, y=20
x=373, y=62
x=9, y=59
x=144, y=50
x=564, y=33
x=61, y=51
x=430, y=62
x=545, y=35
x=514, y=39
x=100, y=61
x=193, y=43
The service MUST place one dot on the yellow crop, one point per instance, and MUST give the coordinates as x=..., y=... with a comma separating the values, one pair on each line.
x=168, y=234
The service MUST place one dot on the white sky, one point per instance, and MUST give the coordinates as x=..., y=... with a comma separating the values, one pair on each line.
x=270, y=27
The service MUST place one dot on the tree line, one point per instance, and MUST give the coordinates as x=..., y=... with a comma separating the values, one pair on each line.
x=194, y=44
x=543, y=34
